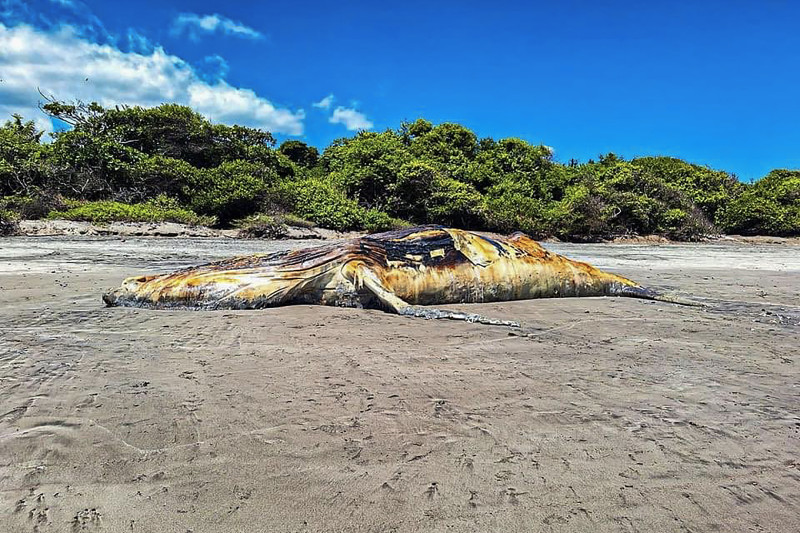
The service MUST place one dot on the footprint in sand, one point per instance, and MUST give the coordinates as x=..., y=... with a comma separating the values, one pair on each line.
x=473, y=499
x=38, y=511
x=432, y=490
x=86, y=519
x=512, y=495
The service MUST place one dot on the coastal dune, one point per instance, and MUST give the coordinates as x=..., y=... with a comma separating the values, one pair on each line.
x=612, y=414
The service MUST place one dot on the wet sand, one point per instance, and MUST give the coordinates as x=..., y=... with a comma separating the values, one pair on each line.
x=613, y=415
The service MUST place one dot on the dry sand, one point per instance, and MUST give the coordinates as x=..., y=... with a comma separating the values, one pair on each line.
x=614, y=415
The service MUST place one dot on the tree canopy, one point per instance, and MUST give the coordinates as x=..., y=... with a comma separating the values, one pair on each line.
x=417, y=173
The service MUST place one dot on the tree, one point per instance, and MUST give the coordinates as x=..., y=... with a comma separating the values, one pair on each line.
x=300, y=153
x=709, y=189
x=450, y=147
x=234, y=189
x=366, y=166
x=168, y=130
x=21, y=165
x=92, y=166
x=770, y=206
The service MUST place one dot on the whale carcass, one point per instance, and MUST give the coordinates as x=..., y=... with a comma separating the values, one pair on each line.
x=397, y=271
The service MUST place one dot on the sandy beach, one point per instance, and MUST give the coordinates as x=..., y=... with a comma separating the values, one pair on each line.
x=610, y=415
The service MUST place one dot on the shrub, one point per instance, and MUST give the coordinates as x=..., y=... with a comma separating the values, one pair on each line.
x=509, y=210
x=300, y=153
x=262, y=226
x=709, y=189
x=157, y=175
x=235, y=189
x=90, y=166
x=295, y=221
x=8, y=222
x=375, y=221
x=328, y=206
x=411, y=191
x=685, y=225
x=454, y=202
x=158, y=210
x=32, y=207
x=366, y=166
x=771, y=206
x=322, y=203
x=615, y=197
x=21, y=155
x=752, y=214
x=421, y=172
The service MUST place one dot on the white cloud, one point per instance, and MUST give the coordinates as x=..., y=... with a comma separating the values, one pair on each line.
x=52, y=14
x=68, y=66
x=216, y=67
x=352, y=119
x=242, y=106
x=195, y=25
x=325, y=103
x=139, y=43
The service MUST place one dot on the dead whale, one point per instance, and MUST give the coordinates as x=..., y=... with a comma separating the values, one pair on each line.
x=396, y=271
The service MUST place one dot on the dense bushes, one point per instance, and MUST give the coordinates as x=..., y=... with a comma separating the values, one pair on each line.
x=614, y=197
x=160, y=209
x=229, y=190
x=771, y=206
x=262, y=227
x=321, y=202
x=125, y=162
x=8, y=222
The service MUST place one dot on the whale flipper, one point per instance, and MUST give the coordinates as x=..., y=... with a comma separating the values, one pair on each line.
x=363, y=276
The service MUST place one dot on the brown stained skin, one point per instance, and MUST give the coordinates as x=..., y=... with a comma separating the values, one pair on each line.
x=419, y=266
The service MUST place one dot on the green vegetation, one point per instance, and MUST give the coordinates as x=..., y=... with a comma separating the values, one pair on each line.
x=262, y=227
x=771, y=206
x=8, y=222
x=161, y=209
x=169, y=163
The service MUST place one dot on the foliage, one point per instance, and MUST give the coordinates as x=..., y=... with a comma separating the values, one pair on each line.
x=31, y=207
x=8, y=222
x=709, y=189
x=91, y=167
x=131, y=154
x=613, y=197
x=327, y=205
x=168, y=130
x=159, y=175
x=771, y=206
x=261, y=226
x=450, y=147
x=419, y=173
x=160, y=209
x=300, y=153
x=454, y=203
x=21, y=156
x=294, y=221
x=366, y=166
x=229, y=190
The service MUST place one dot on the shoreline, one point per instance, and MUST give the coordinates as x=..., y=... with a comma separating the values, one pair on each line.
x=70, y=228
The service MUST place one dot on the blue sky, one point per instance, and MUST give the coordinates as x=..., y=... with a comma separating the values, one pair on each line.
x=713, y=82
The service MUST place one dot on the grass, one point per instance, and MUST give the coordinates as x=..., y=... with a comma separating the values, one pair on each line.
x=103, y=212
x=262, y=226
